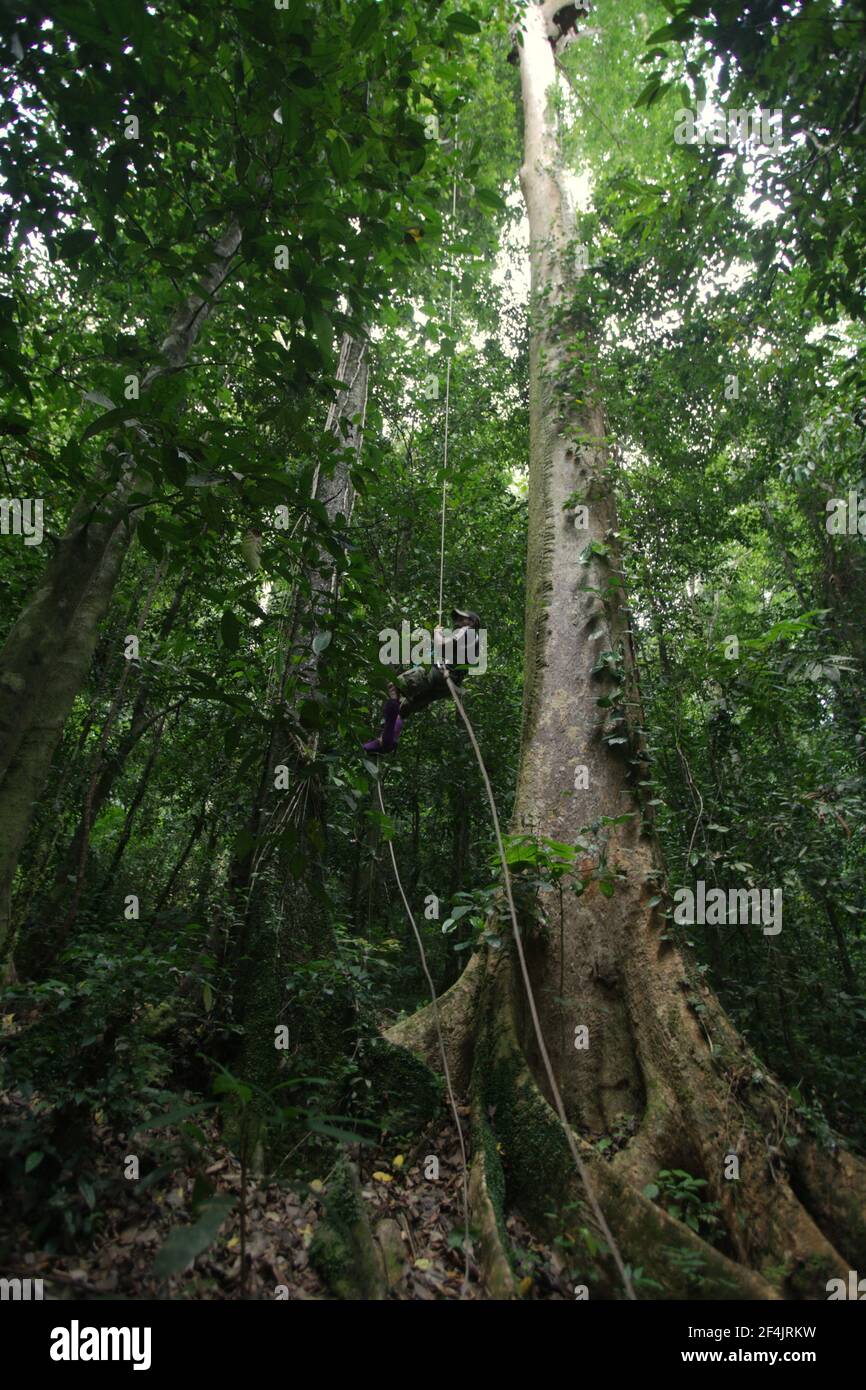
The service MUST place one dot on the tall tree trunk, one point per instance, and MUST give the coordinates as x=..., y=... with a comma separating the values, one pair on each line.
x=336, y=494
x=47, y=653
x=849, y=976
x=206, y=874
x=666, y=1080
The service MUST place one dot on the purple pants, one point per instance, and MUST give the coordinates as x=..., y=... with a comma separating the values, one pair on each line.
x=392, y=728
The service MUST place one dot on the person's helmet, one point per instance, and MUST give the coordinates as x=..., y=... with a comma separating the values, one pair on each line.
x=465, y=615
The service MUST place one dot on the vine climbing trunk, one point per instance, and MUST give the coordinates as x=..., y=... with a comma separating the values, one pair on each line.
x=643, y=1055
x=332, y=489
x=279, y=879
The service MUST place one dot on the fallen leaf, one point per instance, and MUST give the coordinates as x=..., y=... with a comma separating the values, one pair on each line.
x=398, y=1161
x=383, y=1177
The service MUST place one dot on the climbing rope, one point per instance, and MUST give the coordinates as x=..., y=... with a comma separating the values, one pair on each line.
x=447, y=405
x=445, y=1068
x=536, y=1022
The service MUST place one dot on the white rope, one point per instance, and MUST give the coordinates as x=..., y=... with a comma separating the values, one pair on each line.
x=435, y=1006
x=536, y=1023
x=447, y=401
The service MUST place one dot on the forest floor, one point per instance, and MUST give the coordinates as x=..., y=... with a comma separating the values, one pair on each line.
x=132, y=1223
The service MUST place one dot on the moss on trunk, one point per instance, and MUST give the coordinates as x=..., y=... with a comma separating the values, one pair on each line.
x=343, y=1249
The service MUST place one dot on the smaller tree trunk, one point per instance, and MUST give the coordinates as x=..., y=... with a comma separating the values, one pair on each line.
x=197, y=827
x=47, y=653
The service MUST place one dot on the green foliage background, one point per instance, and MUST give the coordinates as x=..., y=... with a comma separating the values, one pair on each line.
x=708, y=265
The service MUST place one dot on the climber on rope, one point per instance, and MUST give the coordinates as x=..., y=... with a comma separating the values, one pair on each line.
x=454, y=652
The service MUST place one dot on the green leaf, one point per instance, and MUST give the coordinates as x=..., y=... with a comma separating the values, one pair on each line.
x=33, y=1160
x=340, y=159
x=564, y=851
x=72, y=245
x=522, y=853
x=111, y=419
x=230, y=630
x=150, y=539
x=679, y=29
x=652, y=92
x=174, y=1116
x=321, y=1124
x=14, y=424
x=302, y=76
x=323, y=331
x=488, y=199
x=187, y=1242
x=310, y=714
x=463, y=23
x=365, y=25
x=321, y=641
x=226, y=1084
